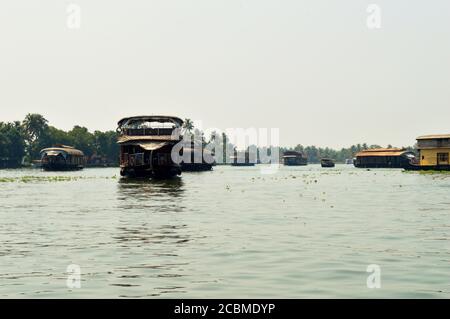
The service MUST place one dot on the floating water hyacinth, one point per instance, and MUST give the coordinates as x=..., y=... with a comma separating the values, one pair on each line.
x=48, y=179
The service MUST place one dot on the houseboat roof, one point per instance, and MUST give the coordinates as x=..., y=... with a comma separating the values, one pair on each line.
x=63, y=148
x=152, y=118
x=382, y=152
x=433, y=137
x=292, y=154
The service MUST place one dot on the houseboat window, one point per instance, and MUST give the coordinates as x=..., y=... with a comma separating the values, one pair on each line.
x=443, y=157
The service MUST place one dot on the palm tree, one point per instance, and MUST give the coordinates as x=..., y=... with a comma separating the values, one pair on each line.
x=34, y=126
x=188, y=125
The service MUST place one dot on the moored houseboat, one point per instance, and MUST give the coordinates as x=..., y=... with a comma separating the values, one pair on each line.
x=146, y=144
x=384, y=158
x=434, y=151
x=62, y=158
x=292, y=158
x=327, y=162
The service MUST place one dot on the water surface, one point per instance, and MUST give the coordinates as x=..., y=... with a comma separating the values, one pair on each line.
x=304, y=232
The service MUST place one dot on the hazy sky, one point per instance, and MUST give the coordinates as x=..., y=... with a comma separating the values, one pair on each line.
x=311, y=68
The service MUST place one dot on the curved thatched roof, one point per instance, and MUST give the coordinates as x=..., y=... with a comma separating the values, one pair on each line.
x=151, y=118
x=67, y=149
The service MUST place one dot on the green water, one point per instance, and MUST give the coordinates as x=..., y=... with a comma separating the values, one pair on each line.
x=303, y=232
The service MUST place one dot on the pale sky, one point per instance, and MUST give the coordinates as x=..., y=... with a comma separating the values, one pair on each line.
x=311, y=68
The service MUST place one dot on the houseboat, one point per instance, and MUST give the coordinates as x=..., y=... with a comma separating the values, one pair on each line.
x=243, y=159
x=384, y=158
x=292, y=158
x=434, y=153
x=146, y=144
x=62, y=158
x=203, y=161
x=327, y=162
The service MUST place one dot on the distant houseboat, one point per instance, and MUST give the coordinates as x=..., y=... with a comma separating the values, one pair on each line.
x=62, y=158
x=243, y=159
x=292, y=158
x=434, y=153
x=327, y=162
x=146, y=144
x=384, y=158
x=197, y=162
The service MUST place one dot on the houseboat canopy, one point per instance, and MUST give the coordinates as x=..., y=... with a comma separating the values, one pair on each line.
x=138, y=120
x=62, y=148
x=382, y=152
x=434, y=137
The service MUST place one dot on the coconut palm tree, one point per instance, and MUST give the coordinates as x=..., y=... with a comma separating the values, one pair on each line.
x=188, y=125
x=34, y=126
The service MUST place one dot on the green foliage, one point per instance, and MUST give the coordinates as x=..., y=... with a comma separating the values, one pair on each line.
x=12, y=144
x=23, y=142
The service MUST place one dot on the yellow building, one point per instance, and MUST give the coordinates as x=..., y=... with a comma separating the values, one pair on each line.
x=434, y=151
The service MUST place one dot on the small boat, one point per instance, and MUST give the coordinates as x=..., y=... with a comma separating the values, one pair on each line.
x=146, y=144
x=62, y=158
x=292, y=158
x=327, y=162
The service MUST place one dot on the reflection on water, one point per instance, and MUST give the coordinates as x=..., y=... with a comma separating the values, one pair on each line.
x=149, y=202
x=150, y=188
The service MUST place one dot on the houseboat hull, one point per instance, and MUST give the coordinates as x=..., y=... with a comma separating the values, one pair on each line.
x=60, y=167
x=298, y=163
x=147, y=172
x=328, y=165
x=243, y=164
x=195, y=167
x=427, y=168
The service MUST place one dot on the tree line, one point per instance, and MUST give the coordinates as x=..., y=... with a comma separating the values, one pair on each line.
x=21, y=142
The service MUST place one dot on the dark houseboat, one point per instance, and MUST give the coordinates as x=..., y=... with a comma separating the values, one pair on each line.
x=327, y=162
x=243, y=159
x=384, y=158
x=146, y=144
x=62, y=158
x=292, y=158
x=197, y=159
